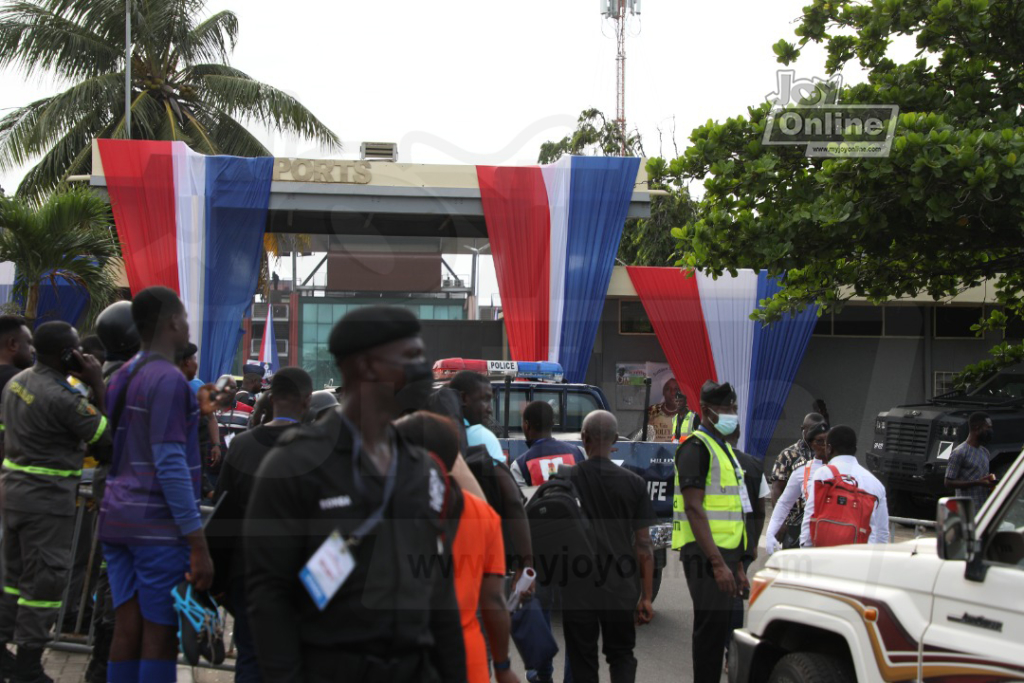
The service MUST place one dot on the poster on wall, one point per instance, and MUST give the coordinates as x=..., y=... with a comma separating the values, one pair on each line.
x=665, y=396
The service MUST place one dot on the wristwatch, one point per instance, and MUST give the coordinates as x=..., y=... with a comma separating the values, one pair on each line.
x=503, y=666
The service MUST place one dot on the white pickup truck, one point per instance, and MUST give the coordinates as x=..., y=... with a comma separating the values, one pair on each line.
x=944, y=609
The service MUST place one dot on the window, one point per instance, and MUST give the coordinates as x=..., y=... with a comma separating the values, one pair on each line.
x=943, y=383
x=518, y=401
x=633, y=318
x=281, y=311
x=553, y=399
x=954, y=322
x=858, y=321
x=1004, y=543
x=257, y=342
x=577, y=406
x=824, y=325
x=904, y=321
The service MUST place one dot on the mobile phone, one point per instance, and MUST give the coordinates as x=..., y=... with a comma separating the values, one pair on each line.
x=222, y=383
x=70, y=361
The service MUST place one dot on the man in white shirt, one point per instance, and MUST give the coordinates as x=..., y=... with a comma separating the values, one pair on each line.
x=840, y=453
x=793, y=496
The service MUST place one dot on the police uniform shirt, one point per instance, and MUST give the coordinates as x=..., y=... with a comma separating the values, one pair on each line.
x=398, y=599
x=47, y=423
x=693, y=462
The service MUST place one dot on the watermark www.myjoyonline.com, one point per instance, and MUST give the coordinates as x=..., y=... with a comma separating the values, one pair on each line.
x=807, y=112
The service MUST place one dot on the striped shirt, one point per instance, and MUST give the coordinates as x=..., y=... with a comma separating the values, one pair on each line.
x=967, y=463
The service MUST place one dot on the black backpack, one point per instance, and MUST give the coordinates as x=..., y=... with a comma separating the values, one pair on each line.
x=561, y=531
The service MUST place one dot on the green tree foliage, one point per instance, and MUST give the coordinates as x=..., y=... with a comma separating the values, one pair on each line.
x=68, y=234
x=645, y=242
x=944, y=212
x=182, y=85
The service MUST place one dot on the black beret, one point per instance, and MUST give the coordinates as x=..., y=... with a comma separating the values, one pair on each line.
x=715, y=394
x=190, y=350
x=369, y=327
x=253, y=369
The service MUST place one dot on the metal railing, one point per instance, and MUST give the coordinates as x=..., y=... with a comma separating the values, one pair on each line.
x=920, y=525
x=78, y=641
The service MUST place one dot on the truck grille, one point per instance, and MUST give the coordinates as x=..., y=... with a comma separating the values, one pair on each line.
x=907, y=438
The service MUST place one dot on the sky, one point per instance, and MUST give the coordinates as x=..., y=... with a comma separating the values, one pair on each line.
x=472, y=81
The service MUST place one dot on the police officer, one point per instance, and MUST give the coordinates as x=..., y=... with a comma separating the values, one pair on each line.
x=47, y=423
x=358, y=512
x=685, y=420
x=708, y=527
x=116, y=329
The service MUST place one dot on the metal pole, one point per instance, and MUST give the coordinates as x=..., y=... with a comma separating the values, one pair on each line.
x=128, y=69
x=647, y=407
x=508, y=398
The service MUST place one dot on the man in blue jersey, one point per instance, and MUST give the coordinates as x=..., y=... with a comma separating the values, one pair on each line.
x=533, y=467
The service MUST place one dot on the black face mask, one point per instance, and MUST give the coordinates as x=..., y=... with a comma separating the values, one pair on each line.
x=418, y=386
x=985, y=438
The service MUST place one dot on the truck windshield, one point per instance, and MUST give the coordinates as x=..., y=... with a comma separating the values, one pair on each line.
x=1002, y=387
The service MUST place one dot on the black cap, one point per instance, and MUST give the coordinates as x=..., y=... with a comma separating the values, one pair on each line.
x=715, y=394
x=817, y=430
x=370, y=327
x=190, y=350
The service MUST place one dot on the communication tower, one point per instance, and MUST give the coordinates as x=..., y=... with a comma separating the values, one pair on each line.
x=619, y=12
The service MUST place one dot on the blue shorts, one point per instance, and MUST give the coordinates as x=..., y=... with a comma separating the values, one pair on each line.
x=150, y=572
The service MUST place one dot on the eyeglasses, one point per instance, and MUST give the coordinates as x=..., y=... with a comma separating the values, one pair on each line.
x=820, y=441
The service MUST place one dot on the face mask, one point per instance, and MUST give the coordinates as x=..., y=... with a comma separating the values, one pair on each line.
x=726, y=424
x=985, y=438
x=418, y=386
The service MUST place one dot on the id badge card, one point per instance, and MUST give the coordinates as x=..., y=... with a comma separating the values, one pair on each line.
x=327, y=570
x=748, y=508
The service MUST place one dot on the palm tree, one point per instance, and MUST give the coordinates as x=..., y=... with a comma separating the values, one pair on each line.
x=182, y=85
x=69, y=235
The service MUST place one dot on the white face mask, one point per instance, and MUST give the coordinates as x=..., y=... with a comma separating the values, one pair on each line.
x=727, y=424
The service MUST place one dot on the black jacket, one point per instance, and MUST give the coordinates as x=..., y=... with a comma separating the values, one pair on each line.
x=398, y=599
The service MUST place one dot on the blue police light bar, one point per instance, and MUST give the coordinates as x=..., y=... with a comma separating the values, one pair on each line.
x=537, y=371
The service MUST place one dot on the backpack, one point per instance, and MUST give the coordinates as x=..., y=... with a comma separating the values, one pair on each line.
x=560, y=531
x=842, y=511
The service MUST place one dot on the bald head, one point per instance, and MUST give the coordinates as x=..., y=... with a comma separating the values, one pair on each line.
x=600, y=432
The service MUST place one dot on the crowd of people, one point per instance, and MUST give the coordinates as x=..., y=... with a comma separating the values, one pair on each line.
x=374, y=534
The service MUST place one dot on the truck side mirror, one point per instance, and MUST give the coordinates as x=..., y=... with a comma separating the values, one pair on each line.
x=954, y=526
x=956, y=536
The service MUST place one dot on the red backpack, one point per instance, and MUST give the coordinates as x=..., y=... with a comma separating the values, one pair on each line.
x=842, y=511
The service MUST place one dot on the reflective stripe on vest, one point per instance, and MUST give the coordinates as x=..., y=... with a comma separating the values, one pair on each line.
x=683, y=430
x=723, y=506
x=45, y=471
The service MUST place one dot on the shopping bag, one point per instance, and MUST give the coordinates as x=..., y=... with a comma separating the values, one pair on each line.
x=532, y=635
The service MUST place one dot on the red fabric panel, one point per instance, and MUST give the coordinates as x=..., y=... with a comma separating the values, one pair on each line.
x=672, y=302
x=140, y=181
x=519, y=227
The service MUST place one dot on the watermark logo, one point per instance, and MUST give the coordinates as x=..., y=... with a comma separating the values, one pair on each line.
x=807, y=112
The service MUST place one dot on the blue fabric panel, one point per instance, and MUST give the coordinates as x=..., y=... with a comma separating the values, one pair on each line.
x=777, y=353
x=67, y=302
x=599, y=196
x=237, y=199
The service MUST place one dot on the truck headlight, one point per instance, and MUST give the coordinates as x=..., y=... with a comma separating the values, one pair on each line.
x=758, y=585
x=879, y=425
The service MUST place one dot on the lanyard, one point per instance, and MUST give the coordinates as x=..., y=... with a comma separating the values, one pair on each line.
x=371, y=522
x=286, y=419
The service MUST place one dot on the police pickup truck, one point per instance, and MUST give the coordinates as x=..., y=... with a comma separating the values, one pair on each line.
x=523, y=382
x=940, y=609
x=913, y=443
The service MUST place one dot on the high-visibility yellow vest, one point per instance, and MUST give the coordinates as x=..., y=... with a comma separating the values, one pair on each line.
x=683, y=426
x=722, y=502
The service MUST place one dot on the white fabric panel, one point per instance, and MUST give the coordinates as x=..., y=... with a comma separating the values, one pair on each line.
x=190, y=216
x=727, y=304
x=7, y=273
x=266, y=354
x=557, y=178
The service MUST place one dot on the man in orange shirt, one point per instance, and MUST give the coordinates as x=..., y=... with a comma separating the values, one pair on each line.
x=478, y=553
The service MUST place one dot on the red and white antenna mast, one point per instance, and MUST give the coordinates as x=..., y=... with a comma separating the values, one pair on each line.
x=619, y=11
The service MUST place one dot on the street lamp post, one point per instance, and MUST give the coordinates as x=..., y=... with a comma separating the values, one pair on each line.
x=128, y=68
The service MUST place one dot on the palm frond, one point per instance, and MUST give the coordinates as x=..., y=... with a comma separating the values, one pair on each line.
x=229, y=136
x=69, y=155
x=213, y=39
x=42, y=41
x=244, y=98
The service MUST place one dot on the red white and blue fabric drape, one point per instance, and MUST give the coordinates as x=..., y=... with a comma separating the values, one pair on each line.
x=554, y=232
x=705, y=331
x=195, y=224
x=268, y=346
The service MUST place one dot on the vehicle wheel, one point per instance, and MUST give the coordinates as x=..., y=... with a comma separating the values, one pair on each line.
x=808, y=667
x=656, y=585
